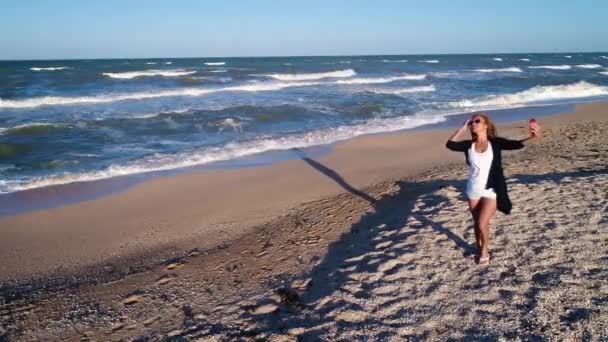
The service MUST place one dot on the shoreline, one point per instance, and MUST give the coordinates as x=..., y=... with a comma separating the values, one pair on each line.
x=57, y=195
x=196, y=210
x=363, y=238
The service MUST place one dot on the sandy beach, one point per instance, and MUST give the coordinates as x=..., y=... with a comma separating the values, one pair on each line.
x=365, y=243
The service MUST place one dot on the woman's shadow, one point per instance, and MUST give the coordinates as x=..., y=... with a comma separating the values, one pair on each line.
x=382, y=224
x=356, y=252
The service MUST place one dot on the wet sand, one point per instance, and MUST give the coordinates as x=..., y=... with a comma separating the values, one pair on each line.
x=364, y=242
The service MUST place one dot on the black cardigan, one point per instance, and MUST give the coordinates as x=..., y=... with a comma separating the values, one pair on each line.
x=496, y=178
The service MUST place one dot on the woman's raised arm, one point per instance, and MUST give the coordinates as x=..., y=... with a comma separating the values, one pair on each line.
x=459, y=146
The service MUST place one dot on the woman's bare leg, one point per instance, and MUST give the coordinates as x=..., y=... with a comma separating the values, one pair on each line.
x=487, y=209
x=474, y=208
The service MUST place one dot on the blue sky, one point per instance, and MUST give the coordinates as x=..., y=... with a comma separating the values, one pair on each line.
x=39, y=29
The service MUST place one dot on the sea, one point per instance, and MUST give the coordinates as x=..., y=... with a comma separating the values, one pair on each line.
x=65, y=121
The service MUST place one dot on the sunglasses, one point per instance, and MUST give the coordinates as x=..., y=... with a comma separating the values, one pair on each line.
x=474, y=121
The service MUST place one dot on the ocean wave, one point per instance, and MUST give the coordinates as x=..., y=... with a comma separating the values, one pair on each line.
x=429, y=61
x=512, y=69
x=168, y=63
x=536, y=94
x=497, y=59
x=554, y=67
x=31, y=128
x=215, y=63
x=59, y=100
x=150, y=63
x=419, y=89
x=376, y=80
x=568, y=56
x=48, y=68
x=604, y=72
x=604, y=57
x=162, y=162
x=228, y=123
x=525, y=59
x=394, y=61
x=218, y=70
x=313, y=76
x=189, y=92
x=144, y=73
x=588, y=66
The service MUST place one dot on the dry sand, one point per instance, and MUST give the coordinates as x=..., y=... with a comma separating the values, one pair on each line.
x=375, y=253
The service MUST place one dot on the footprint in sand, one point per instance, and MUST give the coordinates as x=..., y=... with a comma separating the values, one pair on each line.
x=194, y=253
x=165, y=279
x=174, y=265
x=132, y=299
x=389, y=265
x=265, y=309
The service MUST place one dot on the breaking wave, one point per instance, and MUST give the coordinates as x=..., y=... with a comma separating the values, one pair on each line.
x=553, y=67
x=588, y=66
x=48, y=68
x=375, y=80
x=535, y=94
x=313, y=76
x=513, y=69
x=133, y=74
x=399, y=91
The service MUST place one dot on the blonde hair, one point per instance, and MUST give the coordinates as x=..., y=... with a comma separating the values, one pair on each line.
x=491, y=130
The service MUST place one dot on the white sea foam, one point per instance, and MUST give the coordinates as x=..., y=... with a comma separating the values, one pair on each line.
x=344, y=62
x=568, y=56
x=604, y=57
x=313, y=76
x=420, y=89
x=588, y=66
x=218, y=70
x=394, y=61
x=429, y=61
x=535, y=94
x=215, y=63
x=228, y=123
x=497, y=59
x=48, y=68
x=604, y=72
x=144, y=73
x=60, y=100
x=160, y=162
x=168, y=63
x=554, y=67
x=525, y=59
x=512, y=69
x=151, y=63
x=377, y=80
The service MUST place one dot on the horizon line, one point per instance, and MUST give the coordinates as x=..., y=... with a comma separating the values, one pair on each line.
x=298, y=56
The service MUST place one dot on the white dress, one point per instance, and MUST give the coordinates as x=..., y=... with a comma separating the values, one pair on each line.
x=479, y=170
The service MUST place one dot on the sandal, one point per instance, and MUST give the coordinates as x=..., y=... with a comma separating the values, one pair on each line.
x=484, y=261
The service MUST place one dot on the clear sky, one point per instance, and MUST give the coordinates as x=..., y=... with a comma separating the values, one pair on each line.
x=39, y=29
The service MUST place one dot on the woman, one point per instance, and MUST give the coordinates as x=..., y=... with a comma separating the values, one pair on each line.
x=486, y=187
